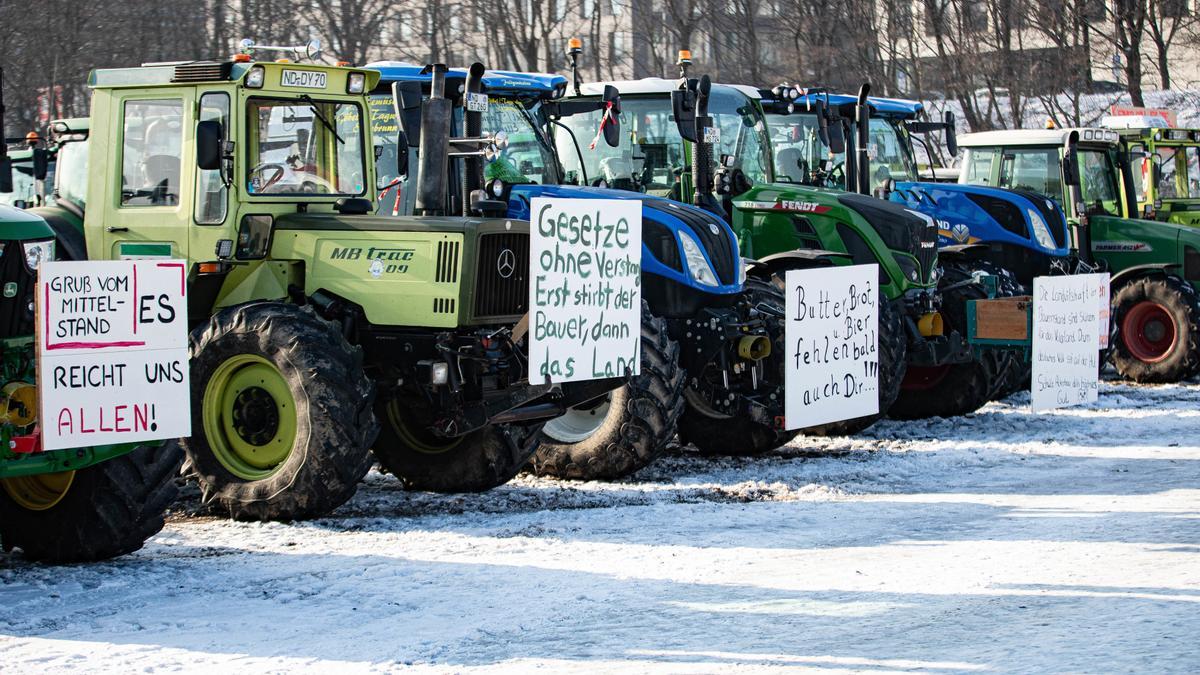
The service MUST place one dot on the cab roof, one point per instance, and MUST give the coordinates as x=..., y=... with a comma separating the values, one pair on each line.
x=658, y=85
x=1036, y=137
x=191, y=72
x=889, y=107
x=540, y=85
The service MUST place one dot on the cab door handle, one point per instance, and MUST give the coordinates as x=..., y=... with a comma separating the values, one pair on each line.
x=112, y=228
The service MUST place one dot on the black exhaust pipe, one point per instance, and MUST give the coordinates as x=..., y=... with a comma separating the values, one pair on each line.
x=702, y=155
x=433, y=162
x=473, y=127
x=862, y=118
x=6, y=183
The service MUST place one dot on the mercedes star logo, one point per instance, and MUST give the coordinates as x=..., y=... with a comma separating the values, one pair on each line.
x=506, y=263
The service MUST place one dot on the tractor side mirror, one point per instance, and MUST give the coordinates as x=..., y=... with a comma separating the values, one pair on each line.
x=208, y=145
x=837, y=141
x=683, y=105
x=951, y=138
x=41, y=163
x=6, y=183
x=401, y=154
x=612, y=128
x=1070, y=168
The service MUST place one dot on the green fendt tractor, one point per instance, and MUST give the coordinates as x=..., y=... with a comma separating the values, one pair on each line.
x=1165, y=168
x=707, y=144
x=1155, y=266
x=312, y=317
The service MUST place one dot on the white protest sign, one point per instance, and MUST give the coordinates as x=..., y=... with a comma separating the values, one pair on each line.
x=585, y=302
x=1066, y=337
x=832, y=334
x=112, y=352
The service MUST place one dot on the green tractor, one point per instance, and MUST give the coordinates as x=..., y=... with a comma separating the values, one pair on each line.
x=63, y=208
x=320, y=331
x=1165, y=168
x=72, y=505
x=1155, y=266
x=708, y=144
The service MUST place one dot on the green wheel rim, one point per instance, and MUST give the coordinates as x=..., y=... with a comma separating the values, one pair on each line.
x=423, y=443
x=249, y=416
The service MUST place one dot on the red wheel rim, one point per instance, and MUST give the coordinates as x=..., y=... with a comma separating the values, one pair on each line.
x=1148, y=331
x=920, y=378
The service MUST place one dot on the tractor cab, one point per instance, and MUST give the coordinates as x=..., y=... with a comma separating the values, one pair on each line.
x=1155, y=265
x=1165, y=168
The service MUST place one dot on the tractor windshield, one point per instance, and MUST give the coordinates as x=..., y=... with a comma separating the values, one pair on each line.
x=305, y=147
x=650, y=157
x=799, y=151
x=1031, y=169
x=528, y=157
x=24, y=186
x=71, y=172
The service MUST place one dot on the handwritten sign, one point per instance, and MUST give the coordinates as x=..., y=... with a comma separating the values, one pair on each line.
x=585, y=301
x=112, y=352
x=832, y=335
x=1067, y=330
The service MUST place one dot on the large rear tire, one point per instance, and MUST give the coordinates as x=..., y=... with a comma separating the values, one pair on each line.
x=102, y=511
x=627, y=429
x=1158, y=321
x=281, y=413
x=714, y=433
x=893, y=362
x=961, y=388
x=475, y=462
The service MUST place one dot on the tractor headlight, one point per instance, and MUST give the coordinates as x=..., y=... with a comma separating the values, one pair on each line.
x=255, y=78
x=908, y=266
x=741, y=270
x=1041, y=231
x=37, y=252
x=699, y=268
x=356, y=83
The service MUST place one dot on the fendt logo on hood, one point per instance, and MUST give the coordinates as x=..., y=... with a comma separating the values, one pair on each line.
x=785, y=205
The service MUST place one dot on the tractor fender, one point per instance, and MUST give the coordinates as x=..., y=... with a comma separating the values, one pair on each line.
x=67, y=235
x=1138, y=271
x=804, y=258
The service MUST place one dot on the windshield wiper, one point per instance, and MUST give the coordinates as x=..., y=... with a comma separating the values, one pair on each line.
x=312, y=105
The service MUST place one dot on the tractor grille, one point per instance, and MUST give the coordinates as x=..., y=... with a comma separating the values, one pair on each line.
x=16, y=317
x=447, y=262
x=718, y=245
x=202, y=71
x=497, y=294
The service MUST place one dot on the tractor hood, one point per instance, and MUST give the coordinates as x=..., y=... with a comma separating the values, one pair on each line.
x=20, y=225
x=662, y=222
x=967, y=214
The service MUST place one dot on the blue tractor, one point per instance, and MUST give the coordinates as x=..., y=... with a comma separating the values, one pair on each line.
x=1020, y=232
x=712, y=343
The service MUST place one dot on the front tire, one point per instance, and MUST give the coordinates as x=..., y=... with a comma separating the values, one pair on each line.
x=474, y=462
x=99, y=512
x=714, y=433
x=1159, y=330
x=893, y=362
x=960, y=388
x=281, y=415
x=629, y=428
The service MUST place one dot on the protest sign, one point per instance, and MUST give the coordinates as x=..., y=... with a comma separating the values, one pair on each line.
x=832, y=335
x=112, y=352
x=585, y=302
x=1067, y=320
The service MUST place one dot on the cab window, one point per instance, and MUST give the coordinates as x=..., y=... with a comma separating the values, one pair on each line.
x=978, y=167
x=1142, y=166
x=1096, y=183
x=211, y=195
x=306, y=148
x=151, y=147
x=1193, y=172
x=1165, y=184
x=1033, y=170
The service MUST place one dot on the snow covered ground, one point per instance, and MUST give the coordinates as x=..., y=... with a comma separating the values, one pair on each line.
x=1005, y=541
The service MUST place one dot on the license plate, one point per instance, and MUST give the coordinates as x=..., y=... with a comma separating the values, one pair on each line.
x=307, y=79
x=477, y=102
